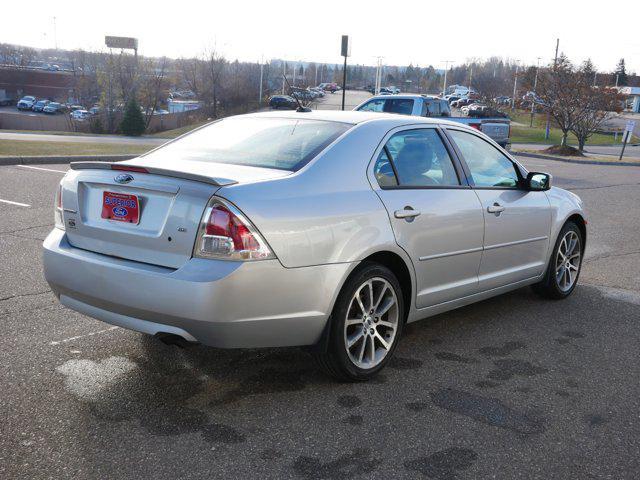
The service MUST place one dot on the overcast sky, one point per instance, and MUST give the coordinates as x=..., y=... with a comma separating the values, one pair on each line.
x=411, y=31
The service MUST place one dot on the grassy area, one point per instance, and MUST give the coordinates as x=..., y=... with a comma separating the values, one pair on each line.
x=176, y=132
x=535, y=134
x=602, y=158
x=12, y=148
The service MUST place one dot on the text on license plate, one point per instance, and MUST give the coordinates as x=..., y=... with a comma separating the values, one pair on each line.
x=121, y=207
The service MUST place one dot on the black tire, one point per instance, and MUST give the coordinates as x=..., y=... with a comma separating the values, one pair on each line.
x=335, y=360
x=549, y=286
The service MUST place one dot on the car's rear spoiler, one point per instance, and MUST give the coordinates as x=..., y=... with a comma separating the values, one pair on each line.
x=123, y=167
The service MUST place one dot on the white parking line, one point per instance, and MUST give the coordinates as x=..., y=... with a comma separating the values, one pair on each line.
x=43, y=169
x=83, y=336
x=15, y=203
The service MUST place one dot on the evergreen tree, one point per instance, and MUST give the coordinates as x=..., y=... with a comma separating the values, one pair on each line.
x=621, y=72
x=133, y=121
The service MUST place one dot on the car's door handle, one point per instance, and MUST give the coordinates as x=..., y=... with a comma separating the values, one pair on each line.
x=495, y=208
x=408, y=212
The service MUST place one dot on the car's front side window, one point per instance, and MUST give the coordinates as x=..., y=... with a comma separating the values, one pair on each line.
x=418, y=158
x=488, y=166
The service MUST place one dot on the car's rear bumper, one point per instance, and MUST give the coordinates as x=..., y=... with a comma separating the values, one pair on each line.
x=218, y=303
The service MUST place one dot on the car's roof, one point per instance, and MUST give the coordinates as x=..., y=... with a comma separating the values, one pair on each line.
x=352, y=117
x=407, y=96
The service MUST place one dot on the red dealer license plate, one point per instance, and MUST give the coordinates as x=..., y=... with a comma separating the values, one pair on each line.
x=120, y=207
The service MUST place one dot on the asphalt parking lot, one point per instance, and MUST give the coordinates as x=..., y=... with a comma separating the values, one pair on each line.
x=513, y=387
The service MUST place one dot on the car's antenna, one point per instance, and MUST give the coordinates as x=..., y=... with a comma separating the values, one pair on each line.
x=295, y=97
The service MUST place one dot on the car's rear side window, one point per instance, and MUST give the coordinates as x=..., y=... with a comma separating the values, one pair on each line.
x=282, y=143
x=403, y=106
x=415, y=158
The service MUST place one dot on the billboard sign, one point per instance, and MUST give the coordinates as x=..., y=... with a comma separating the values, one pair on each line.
x=121, y=42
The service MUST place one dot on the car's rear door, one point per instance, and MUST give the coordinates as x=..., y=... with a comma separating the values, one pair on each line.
x=517, y=221
x=436, y=217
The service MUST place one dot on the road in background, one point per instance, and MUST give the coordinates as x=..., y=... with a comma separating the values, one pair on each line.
x=512, y=387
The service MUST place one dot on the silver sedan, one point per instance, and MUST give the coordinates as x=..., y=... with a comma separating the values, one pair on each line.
x=322, y=229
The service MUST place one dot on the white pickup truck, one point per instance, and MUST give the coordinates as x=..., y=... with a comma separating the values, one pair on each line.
x=498, y=128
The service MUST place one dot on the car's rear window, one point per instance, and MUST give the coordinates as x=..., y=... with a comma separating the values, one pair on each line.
x=282, y=143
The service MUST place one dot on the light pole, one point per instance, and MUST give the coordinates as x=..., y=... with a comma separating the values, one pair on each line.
x=535, y=86
x=515, y=87
x=446, y=69
x=55, y=34
x=261, y=73
x=284, y=74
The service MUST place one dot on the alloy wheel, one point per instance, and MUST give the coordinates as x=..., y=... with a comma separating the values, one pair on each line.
x=372, y=323
x=568, y=261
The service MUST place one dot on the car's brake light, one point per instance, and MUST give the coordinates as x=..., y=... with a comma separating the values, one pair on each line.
x=477, y=126
x=58, y=218
x=226, y=234
x=128, y=168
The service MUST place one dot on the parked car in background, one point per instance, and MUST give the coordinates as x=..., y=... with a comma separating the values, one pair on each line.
x=5, y=99
x=462, y=102
x=317, y=90
x=329, y=87
x=73, y=108
x=498, y=129
x=80, y=115
x=323, y=229
x=54, y=107
x=39, y=105
x=283, y=101
x=96, y=109
x=303, y=95
x=502, y=100
x=26, y=103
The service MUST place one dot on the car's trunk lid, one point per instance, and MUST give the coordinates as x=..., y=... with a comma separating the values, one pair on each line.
x=171, y=204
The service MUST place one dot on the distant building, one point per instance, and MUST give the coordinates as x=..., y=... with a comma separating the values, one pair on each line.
x=54, y=85
x=632, y=98
x=179, y=106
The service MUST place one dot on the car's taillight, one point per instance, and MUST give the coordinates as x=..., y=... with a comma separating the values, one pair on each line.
x=226, y=234
x=57, y=214
x=477, y=126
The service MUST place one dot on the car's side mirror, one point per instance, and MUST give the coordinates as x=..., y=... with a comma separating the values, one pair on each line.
x=538, y=181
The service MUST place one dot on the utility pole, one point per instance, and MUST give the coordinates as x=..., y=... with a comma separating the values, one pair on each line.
x=515, y=88
x=470, y=79
x=535, y=92
x=547, y=130
x=617, y=79
x=595, y=78
x=446, y=69
x=315, y=83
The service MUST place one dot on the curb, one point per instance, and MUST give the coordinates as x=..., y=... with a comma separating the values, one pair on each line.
x=580, y=162
x=44, y=160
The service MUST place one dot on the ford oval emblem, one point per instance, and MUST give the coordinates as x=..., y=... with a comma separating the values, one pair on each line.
x=124, y=178
x=120, y=211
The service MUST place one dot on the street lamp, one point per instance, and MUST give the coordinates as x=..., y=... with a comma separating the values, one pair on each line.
x=515, y=87
x=535, y=93
x=446, y=69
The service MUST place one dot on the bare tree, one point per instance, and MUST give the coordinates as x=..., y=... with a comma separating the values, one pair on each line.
x=600, y=105
x=559, y=88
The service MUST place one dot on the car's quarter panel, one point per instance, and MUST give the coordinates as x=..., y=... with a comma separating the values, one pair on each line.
x=326, y=212
x=444, y=241
x=219, y=303
x=564, y=204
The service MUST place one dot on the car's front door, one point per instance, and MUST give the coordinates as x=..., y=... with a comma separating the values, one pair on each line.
x=436, y=218
x=517, y=221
